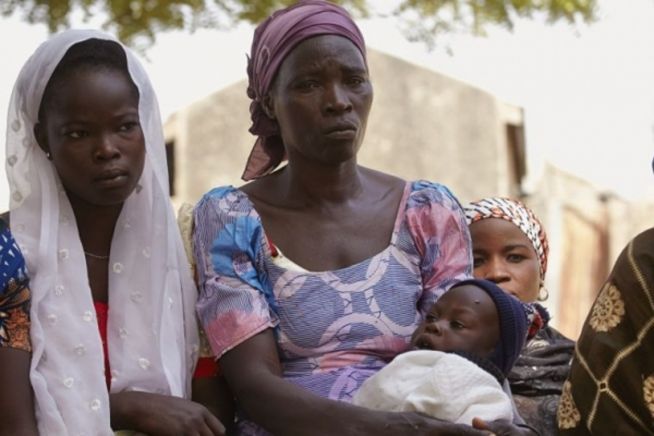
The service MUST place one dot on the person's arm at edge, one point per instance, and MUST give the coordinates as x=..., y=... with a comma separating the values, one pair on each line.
x=16, y=396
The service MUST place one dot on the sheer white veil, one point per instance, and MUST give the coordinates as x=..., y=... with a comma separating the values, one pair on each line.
x=152, y=332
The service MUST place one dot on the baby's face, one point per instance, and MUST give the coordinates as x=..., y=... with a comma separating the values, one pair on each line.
x=464, y=319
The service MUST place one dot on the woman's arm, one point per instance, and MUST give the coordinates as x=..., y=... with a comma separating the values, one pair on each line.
x=253, y=372
x=161, y=415
x=16, y=397
x=214, y=394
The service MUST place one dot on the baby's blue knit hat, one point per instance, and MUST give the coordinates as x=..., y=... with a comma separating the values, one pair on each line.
x=514, y=323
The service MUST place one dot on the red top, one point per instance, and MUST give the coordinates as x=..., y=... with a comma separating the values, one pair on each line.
x=102, y=313
x=207, y=366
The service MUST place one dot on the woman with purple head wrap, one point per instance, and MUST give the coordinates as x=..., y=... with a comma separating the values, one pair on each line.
x=313, y=276
x=273, y=41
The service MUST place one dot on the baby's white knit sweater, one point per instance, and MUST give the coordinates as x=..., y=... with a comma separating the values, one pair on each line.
x=443, y=385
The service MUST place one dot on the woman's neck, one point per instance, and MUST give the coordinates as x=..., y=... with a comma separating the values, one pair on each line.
x=315, y=184
x=95, y=224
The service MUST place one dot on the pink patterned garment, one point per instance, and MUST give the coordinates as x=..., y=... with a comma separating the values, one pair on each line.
x=334, y=329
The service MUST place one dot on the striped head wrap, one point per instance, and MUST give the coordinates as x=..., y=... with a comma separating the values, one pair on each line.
x=517, y=213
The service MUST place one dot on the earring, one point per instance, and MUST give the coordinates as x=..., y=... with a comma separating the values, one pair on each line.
x=543, y=293
x=47, y=154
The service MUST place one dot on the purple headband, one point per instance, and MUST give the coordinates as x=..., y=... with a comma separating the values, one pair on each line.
x=273, y=40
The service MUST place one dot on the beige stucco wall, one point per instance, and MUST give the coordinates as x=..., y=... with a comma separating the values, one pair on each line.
x=422, y=125
x=427, y=125
x=587, y=229
x=211, y=142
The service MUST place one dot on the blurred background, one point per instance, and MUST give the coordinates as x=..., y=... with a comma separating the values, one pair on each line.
x=548, y=101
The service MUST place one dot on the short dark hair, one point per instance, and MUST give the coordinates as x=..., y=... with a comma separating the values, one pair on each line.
x=91, y=53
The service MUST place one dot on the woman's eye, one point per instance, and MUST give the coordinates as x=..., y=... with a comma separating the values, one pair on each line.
x=355, y=81
x=431, y=317
x=76, y=134
x=456, y=325
x=515, y=258
x=477, y=261
x=126, y=127
x=308, y=85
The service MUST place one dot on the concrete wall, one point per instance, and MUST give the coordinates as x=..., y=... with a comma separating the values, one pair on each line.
x=427, y=125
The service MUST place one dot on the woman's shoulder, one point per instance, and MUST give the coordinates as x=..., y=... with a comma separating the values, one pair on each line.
x=636, y=261
x=223, y=199
x=226, y=207
x=420, y=191
x=422, y=185
x=643, y=243
x=424, y=192
x=220, y=192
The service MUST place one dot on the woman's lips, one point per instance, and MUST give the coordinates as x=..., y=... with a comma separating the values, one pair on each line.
x=343, y=130
x=342, y=134
x=112, y=178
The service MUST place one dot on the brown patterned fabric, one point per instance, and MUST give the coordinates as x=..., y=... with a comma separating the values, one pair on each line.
x=610, y=389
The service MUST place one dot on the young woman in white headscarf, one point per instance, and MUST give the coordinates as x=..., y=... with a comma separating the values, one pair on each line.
x=113, y=326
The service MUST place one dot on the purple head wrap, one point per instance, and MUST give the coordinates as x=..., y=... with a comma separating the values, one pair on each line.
x=273, y=40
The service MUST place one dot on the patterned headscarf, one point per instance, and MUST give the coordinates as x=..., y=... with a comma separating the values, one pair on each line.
x=517, y=213
x=273, y=40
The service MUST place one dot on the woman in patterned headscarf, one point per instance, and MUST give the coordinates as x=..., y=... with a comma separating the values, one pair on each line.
x=509, y=247
x=302, y=299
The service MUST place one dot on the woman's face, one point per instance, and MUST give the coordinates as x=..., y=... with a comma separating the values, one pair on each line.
x=503, y=254
x=321, y=98
x=91, y=130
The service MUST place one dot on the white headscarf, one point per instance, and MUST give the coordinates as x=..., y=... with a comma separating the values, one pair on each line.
x=152, y=333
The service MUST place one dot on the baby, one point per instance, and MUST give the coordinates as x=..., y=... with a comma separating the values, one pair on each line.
x=462, y=352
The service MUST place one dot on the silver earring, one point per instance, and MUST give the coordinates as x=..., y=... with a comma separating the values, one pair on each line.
x=543, y=293
x=47, y=154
